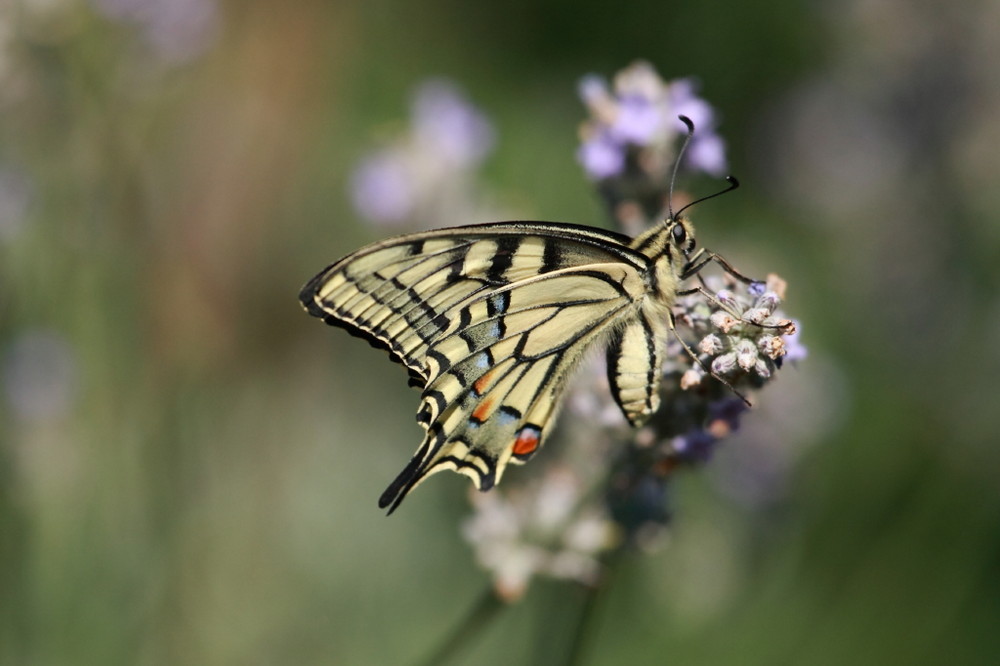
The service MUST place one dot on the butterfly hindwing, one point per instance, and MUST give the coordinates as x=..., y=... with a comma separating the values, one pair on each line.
x=635, y=358
x=502, y=371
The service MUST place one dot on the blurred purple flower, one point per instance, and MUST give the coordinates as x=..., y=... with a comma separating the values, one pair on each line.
x=539, y=529
x=381, y=187
x=423, y=173
x=593, y=90
x=685, y=102
x=639, y=120
x=727, y=411
x=707, y=151
x=642, y=114
x=697, y=445
x=175, y=30
x=601, y=156
x=445, y=121
x=39, y=375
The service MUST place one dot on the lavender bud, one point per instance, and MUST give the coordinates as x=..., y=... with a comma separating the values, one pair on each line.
x=756, y=315
x=723, y=321
x=746, y=354
x=772, y=346
x=723, y=365
x=768, y=301
x=787, y=326
x=726, y=297
x=710, y=344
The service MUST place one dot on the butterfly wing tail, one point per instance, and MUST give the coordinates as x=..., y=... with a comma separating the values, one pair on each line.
x=433, y=456
x=401, y=485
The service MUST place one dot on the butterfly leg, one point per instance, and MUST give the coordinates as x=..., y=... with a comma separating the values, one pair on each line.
x=703, y=257
x=785, y=326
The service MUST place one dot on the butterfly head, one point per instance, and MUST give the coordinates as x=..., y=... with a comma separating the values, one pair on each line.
x=680, y=234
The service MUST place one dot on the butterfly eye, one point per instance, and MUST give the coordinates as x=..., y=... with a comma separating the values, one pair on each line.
x=679, y=234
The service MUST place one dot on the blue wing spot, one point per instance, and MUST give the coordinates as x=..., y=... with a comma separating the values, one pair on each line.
x=507, y=416
x=498, y=303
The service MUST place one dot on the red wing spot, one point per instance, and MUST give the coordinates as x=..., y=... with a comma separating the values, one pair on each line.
x=484, y=381
x=526, y=442
x=482, y=410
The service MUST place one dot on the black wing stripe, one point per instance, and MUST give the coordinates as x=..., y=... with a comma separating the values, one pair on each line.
x=552, y=257
x=654, y=362
x=503, y=259
x=397, y=298
x=375, y=333
x=392, y=294
x=395, y=266
x=613, y=354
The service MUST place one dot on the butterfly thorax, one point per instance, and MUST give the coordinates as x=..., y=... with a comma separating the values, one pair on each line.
x=668, y=258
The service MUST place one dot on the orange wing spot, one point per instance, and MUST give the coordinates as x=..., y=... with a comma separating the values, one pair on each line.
x=483, y=382
x=482, y=410
x=526, y=442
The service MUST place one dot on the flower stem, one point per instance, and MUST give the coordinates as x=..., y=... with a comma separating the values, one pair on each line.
x=485, y=609
x=590, y=613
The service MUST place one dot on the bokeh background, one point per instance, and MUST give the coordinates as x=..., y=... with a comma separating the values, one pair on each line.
x=189, y=464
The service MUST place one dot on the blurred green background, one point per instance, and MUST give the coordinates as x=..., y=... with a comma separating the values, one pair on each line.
x=189, y=464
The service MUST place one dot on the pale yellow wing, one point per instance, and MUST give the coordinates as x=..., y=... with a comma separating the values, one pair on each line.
x=500, y=371
x=442, y=301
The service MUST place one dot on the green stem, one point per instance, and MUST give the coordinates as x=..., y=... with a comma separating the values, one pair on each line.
x=485, y=609
x=590, y=613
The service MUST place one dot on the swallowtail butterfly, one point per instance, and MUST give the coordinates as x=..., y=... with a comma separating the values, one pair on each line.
x=491, y=320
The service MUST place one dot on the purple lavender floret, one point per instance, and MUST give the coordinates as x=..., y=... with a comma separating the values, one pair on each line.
x=445, y=119
x=639, y=116
x=601, y=156
x=381, y=187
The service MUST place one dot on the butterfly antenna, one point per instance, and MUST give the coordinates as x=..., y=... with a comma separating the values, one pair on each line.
x=673, y=176
x=733, y=184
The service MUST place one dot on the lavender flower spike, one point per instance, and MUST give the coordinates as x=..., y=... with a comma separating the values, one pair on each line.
x=635, y=126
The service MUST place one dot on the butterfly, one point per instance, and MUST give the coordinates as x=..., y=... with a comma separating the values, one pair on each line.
x=491, y=320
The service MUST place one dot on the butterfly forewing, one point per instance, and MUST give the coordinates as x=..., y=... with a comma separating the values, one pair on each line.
x=398, y=293
x=490, y=320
